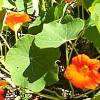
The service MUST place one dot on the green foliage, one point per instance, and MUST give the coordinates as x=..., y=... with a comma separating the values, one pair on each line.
x=54, y=34
x=95, y=2
x=88, y=3
x=29, y=7
x=93, y=35
x=54, y=13
x=31, y=58
x=9, y=4
x=20, y=5
x=37, y=22
x=1, y=4
x=97, y=96
x=36, y=26
x=95, y=14
x=31, y=67
x=2, y=15
x=24, y=5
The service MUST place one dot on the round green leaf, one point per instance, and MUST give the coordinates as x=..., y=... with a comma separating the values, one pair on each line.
x=55, y=34
x=95, y=14
x=1, y=4
x=92, y=34
x=31, y=67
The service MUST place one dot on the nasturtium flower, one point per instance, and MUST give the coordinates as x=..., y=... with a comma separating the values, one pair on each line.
x=2, y=94
x=15, y=19
x=83, y=72
x=68, y=1
x=3, y=83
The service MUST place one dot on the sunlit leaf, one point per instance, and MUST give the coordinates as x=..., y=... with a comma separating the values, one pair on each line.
x=55, y=34
x=31, y=67
x=95, y=2
x=95, y=14
x=8, y=4
x=37, y=22
x=20, y=5
x=1, y=4
x=30, y=8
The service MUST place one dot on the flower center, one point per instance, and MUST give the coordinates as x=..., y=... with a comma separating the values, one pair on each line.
x=84, y=69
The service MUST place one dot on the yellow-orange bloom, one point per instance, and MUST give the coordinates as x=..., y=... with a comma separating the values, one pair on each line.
x=83, y=72
x=3, y=83
x=15, y=19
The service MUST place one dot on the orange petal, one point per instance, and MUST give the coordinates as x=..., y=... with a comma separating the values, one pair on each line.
x=79, y=80
x=93, y=64
x=15, y=18
x=80, y=60
x=3, y=83
x=2, y=97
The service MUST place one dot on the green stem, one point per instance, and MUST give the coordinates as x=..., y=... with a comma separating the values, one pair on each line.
x=67, y=62
x=73, y=47
x=64, y=10
x=5, y=41
x=53, y=92
x=82, y=9
x=72, y=89
x=78, y=8
x=1, y=51
x=43, y=5
x=75, y=43
x=82, y=95
x=3, y=63
x=49, y=96
x=98, y=57
x=16, y=38
x=67, y=59
x=5, y=45
x=5, y=71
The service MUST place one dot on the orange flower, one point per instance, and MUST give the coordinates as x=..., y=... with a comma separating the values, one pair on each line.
x=15, y=19
x=68, y=1
x=3, y=83
x=83, y=72
x=2, y=94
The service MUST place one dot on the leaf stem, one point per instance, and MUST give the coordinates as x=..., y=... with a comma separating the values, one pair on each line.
x=82, y=9
x=78, y=8
x=49, y=96
x=73, y=47
x=88, y=92
x=53, y=92
x=64, y=10
x=72, y=89
x=5, y=41
x=67, y=62
x=16, y=38
x=43, y=5
x=3, y=63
